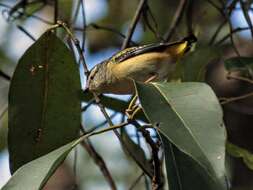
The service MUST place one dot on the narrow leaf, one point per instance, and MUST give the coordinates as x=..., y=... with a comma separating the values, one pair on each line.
x=240, y=152
x=238, y=63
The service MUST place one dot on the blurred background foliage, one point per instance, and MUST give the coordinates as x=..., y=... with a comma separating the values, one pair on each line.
x=107, y=22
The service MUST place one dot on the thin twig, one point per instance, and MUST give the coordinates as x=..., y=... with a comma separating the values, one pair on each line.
x=77, y=45
x=136, y=181
x=217, y=31
x=56, y=7
x=176, y=20
x=247, y=17
x=75, y=167
x=229, y=9
x=76, y=14
x=3, y=112
x=106, y=28
x=133, y=24
x=5, y=76
x=157, y=182
x=21, y=28
x=229, y=76
x=189, y=16
x=145, y=14
x=226, y=12
x=225, y=100
x=238, y=29
x=84, y=25
x=27, y=15
x=99, y=161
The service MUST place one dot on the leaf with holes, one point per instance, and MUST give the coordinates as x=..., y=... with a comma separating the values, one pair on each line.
x=44, y=107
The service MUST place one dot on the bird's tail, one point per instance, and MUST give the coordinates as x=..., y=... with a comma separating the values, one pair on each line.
x=178, y=49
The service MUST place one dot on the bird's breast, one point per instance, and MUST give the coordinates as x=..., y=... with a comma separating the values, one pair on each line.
x=142, y=67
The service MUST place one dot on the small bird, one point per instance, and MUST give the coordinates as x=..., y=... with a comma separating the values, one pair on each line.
x=146, y=63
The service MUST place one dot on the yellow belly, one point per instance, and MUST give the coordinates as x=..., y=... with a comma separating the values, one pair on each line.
x=140, y=68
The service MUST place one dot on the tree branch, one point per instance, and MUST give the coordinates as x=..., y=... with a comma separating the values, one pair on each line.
x=176, y=20
x=133, y=24
x=98, y=160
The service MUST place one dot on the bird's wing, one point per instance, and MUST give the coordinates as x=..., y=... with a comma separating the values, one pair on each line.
x=173, y=47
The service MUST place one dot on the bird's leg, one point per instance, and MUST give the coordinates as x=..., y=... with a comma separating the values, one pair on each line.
x=133, y=108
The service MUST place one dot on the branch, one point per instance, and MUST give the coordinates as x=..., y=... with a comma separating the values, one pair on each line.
x=22, y=29
x=157, y=182
x=229, y=76
x=106, y=28
x=56, y=7
x=189, y=16
x=238, y=29
x=5, y=76
x=217, y=31
x=225, y=100
x=226, y=12
x=98, y=160
x=157, y=178
x=136, y=181
x=247, y=17
x=176, y=20
x=26, y=14
x=133, y=24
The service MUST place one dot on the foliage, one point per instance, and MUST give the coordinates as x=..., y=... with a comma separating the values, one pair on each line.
x=180, y=121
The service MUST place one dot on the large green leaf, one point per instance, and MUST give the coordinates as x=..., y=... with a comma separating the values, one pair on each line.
x=44, y=107
x=35, y=174
x=182, y=170
x=193, y=65
x=190, y=117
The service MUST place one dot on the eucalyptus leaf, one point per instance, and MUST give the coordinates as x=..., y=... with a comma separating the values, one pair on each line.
x=44, y=107
x=36, y=173
x=240, y=152
x=190, y=117
x=238, y=63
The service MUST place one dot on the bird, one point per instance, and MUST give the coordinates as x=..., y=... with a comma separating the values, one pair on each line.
x=145, y=63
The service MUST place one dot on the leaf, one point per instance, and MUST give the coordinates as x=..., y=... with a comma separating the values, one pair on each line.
x=193, y=65
x=238, y=63
x=112, y=103
x=239, y=152
x=182, y=170
x=137, y=154
x=190, y=117
x=36, y=173
x=44, y=107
